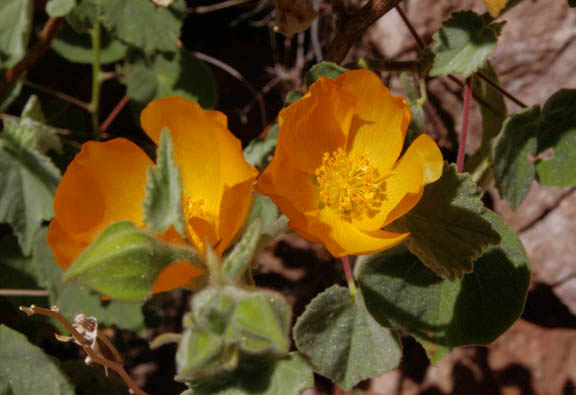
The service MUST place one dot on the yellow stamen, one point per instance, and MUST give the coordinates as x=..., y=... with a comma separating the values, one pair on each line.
x=195, y=214
x=349, y=185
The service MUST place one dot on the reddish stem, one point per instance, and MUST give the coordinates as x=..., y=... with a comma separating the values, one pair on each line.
x=464, y=134
x=349, y=276
x=114, y=113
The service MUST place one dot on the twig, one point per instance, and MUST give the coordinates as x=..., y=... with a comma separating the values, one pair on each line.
x=500, y=89
x=350, y=28
x=422, y=45
x=114, y=113
x=216, y=7
x=318, y=55
x=34, y=54
x=236, y=74
x=464, y=133
x=58, y=94
x=410, y=27
x=87, y=346
x=23, y=292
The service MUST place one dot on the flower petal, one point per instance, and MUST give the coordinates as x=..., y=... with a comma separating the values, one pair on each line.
x=209, y=156
x=344, y=238
x=176, y=275
x=234, y=209
x=315, y=124
x=421, y=164
x=105, y=183
x=380, y=126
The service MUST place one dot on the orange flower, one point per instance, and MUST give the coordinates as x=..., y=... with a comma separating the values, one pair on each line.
x=336, y=172
x=106, y=183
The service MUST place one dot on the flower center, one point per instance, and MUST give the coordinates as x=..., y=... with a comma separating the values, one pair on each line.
x=199, y=222
x=349, y=185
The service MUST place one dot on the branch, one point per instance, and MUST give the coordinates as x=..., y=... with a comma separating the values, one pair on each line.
x=83, y=335
x=350, y=28
x=34, y=54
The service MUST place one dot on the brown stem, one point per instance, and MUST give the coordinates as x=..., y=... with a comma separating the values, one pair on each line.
x=500, y=89
x=86, y=346
x=350, y=28
x=114, y=113
x=59, y=95
x=34, y=54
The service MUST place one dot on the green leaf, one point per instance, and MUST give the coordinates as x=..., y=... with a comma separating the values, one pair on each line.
x=141, y=24
x=463, y=44
x=494, y=112
x=123, y=262
x=287, y=376
x=558, y=133
x=227, y=324
x=25, y=369
x=56, y=8
x=513, y=171
x=417, y=97
x=342, y=340
x=242, y=255
x=163, y=205
x=179, y=74
x=259, y=151
x=292, y=97
x=77, y=47
x=15, y=28
x=84, y=15
x=264, y=208
x=325, y=69
x=403, y=293
x=29, y=180
x=448, y=231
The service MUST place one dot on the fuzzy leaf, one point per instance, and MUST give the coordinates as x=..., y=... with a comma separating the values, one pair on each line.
x=463, y=44
x=324, y=69
x=227, y=324
x=403, y=293
x=558, y=133
x=123, y=262
x=29, y=180
x=448, y=232
x=72, y=298
x=141, y=24
x=77, y=47
x=342, y=340
x=20, y=359
x=287, y=376
x=163, y=205
x=244, y=251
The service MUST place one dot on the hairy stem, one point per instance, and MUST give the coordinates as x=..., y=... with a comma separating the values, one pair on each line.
x=96, y=82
